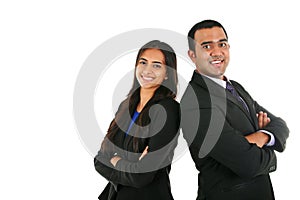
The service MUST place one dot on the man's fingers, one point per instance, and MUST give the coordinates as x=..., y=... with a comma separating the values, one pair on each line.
x=266, y=119
x=260, y=119
x=263, y=119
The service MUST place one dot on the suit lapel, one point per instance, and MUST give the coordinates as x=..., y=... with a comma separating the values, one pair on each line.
x=231, y=98
x=249, y=102
x=217, y=90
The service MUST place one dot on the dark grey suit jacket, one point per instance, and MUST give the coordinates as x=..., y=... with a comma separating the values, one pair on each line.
x=214, y=124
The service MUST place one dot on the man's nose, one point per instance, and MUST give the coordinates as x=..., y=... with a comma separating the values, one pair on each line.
x=216, y=51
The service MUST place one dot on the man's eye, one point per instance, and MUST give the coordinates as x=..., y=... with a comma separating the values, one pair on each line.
x=223, y=44
x=207, y=46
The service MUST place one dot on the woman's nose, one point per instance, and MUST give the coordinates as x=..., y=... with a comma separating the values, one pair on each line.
x=147, y=69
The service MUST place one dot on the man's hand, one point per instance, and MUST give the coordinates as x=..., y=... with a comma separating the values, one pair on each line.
x=263, y=119
x=259, y=138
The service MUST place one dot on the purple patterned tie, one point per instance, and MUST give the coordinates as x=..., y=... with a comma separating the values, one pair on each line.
x=231, y=89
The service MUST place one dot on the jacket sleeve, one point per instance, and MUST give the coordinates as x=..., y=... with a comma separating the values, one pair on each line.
x=214, y=137
x=160, y=152
x=102, y=159
x=244, y=159
x=102, y=165
x=277, y=127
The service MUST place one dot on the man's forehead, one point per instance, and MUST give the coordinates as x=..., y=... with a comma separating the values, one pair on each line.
x=213, y=34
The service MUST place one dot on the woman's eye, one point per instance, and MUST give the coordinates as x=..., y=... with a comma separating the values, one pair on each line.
x=142, y=63
x=156, y=66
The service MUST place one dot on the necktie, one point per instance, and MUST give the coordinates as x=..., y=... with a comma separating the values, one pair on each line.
x=231, y=89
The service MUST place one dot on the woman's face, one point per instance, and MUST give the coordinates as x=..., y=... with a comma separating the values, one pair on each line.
x=151, y=69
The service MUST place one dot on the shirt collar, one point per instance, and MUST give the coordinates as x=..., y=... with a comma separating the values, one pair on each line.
x=220, y=82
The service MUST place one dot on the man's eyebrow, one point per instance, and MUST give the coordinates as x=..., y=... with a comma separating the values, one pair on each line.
x=223, y=40
x=209, y=42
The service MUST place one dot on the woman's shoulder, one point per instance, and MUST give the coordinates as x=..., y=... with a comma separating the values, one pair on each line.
x=169, y=104
x=168, y=101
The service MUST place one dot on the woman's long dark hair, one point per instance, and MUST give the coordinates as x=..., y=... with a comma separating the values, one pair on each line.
x=168, y=89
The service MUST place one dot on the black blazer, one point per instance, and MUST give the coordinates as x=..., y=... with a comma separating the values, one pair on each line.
x=148, y=178
x=214, y=124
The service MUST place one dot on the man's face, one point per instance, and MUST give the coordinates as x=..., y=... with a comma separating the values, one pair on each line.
x=211, y=55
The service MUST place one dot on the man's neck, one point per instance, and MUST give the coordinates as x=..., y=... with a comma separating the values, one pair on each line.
x=219, y=81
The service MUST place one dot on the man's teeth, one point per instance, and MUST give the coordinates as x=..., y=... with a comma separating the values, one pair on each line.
x=216, y=62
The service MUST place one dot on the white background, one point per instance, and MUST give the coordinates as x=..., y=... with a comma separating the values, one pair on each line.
x=43, y=45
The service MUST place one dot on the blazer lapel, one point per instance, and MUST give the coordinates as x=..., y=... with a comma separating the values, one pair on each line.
x=249, y=102
x=217, y=90
x=231, y=98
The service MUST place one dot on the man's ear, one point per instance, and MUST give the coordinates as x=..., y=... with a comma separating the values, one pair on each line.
x=192, y=55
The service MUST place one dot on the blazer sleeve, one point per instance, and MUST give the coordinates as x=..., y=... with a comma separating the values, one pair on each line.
x=244, y=159
x=102, y=159
x=102, y=164
x=160, y=152
x=229, y=146
x=277, y=126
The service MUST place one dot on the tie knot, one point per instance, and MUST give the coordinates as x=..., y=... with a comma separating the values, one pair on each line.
x=229, y=86
x=232, y=90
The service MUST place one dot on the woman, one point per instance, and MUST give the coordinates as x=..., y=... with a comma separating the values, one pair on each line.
x=136, y=154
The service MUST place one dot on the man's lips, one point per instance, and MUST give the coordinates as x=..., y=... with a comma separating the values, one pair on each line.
x=216, y=62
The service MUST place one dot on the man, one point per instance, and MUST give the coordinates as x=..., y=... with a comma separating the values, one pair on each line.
x=231, y=137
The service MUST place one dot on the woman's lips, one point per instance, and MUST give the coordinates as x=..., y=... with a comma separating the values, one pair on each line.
x=147, y=78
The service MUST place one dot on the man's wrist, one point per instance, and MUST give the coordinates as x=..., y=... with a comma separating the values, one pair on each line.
x=271, y=140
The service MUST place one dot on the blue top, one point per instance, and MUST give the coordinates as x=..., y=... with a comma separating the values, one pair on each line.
x=134, y=117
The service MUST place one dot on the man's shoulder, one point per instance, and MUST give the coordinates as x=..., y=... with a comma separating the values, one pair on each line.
x=238, y=86
x=194, y=96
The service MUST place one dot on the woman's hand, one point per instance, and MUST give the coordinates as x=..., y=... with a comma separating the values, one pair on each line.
x=114, y=160
x=144, y=153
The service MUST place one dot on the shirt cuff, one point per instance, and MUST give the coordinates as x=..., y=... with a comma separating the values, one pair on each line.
x=272, y=138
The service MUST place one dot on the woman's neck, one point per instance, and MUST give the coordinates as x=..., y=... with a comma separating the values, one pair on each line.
x=145, y=96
